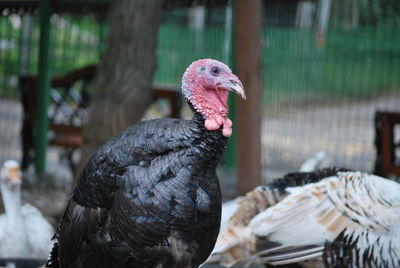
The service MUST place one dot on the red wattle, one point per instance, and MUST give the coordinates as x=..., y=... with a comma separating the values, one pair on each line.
x=211, y=124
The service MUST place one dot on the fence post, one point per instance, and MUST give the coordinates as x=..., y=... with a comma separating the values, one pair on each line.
x=248, y=113
x=43, y=88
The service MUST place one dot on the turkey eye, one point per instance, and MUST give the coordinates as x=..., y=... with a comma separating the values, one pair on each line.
x=215, y=70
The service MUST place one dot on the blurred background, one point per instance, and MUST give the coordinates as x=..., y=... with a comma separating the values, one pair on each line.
x=326, y=68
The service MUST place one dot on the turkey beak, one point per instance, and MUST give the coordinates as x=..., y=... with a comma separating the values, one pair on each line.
x=235, y=86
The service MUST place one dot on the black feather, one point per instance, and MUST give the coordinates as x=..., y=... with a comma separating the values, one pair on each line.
x=150, y=196
x=296, y=179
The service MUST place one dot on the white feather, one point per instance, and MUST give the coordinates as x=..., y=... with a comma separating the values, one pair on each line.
x=316, y=213
x=228, y=209
x=366, y=207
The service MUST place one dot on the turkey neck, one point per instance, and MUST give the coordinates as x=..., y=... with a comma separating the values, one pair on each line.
x=212, y=144
x=12, y=203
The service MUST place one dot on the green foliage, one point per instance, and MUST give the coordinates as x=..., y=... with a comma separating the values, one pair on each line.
x=75, y=43
x=8, y=59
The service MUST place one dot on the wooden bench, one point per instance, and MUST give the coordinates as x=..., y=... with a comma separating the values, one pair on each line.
x=69, y=110
x=387, y=144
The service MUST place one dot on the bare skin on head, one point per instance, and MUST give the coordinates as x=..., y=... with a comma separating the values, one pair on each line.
x=206, y=84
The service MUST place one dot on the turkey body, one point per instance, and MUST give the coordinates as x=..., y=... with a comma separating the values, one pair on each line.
x=330, y=218
x=149, y=197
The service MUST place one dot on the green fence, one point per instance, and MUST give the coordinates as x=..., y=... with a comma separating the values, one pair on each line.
x=179, y=44
x=351, y=65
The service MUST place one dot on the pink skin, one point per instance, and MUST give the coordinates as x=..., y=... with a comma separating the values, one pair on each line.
x=208, y=93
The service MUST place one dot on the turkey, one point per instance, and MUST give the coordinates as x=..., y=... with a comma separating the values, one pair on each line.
x=330, y=218
x=24, y=232
x=150, y=196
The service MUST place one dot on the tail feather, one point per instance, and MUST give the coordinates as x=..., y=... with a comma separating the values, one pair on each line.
x=53, y=261
x=286, y=254
x=53, y=258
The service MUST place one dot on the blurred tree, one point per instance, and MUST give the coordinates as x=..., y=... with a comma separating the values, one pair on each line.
x=122, y=86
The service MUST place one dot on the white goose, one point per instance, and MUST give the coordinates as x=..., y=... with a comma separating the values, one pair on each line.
x=24, y=232
x=341, y=219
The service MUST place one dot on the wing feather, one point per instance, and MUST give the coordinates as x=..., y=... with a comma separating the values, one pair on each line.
x=362, y=206
x=325, y=214
x=236, y=239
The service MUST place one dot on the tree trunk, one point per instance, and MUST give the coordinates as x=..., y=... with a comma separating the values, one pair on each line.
x=122, y=86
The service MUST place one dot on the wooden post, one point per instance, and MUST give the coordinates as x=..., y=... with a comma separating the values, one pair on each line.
x=248, y=69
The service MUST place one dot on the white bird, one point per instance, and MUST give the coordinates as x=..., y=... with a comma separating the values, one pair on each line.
x=24, y=232
x=341, y=219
